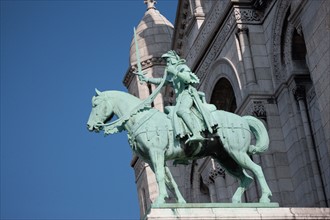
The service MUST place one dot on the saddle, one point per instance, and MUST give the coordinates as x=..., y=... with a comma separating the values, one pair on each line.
x=191, y=149
x=180, y=128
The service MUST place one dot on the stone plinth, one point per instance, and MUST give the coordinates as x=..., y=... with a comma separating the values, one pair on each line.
x=207, y=211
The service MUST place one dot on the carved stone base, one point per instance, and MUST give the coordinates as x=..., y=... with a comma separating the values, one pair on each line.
x=205, y=211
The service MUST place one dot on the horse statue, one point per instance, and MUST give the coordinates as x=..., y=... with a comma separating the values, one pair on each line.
x=150, y=134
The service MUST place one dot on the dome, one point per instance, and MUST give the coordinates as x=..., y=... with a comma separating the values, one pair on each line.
x=154, y=36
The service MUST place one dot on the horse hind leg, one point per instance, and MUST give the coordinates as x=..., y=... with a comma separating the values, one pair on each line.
x=171, y=184
x=245, y=161
x=238, y=172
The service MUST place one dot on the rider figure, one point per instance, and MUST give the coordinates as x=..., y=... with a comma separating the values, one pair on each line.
x=182, y=80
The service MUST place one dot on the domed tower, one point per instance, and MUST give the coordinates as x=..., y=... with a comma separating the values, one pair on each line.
x=154, y=37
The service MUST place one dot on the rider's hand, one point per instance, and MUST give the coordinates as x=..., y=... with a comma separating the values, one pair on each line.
x=142, y=78
x=171, y=69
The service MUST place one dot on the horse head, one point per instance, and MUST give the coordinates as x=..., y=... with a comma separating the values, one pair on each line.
x=102, y=111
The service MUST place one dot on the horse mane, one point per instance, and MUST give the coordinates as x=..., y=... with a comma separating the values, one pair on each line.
x=116, y=94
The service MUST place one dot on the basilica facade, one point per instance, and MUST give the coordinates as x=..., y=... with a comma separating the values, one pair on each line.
x=266, y=58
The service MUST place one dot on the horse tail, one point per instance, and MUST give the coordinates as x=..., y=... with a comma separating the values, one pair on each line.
x=260, y=132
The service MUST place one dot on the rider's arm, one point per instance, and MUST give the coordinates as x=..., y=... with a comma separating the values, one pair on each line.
x=155, y=81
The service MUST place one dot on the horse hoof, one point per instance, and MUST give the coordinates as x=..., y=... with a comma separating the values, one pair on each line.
x=264, y=200
x=158, y=203
x=182, y=201
x=236, y=201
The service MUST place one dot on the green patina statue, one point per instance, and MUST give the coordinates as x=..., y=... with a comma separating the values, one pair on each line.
x=157, y=136
x=187, y=98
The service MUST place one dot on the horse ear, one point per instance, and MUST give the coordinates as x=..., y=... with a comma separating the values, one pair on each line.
x=97, y=91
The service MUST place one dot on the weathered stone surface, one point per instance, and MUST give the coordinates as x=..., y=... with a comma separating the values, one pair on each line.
x=242, y=211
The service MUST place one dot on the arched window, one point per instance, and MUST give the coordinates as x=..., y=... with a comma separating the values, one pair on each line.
x=223, y=96
x=298, y=46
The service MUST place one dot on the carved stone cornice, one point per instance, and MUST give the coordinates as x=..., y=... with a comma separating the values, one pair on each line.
x=210, y=27
x=255, y=104
x=153, y=61
x=248, y=15
x=299, y=84
x=252, y=12
x=128, y=77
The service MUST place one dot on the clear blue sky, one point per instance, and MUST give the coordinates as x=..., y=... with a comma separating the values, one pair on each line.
x=53, y=55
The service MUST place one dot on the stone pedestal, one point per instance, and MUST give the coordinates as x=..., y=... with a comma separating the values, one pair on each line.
x=206, y=211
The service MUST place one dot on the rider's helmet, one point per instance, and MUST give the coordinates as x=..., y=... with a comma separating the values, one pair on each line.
x=172, y=55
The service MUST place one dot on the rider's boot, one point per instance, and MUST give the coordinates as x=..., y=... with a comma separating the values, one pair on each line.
x=196, y=135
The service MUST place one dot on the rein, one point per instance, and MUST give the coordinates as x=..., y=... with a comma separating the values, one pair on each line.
x=118, y=125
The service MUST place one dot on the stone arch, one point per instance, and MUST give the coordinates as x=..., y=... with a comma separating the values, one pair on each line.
x=295, y=52
x=281, y=15
x=294, y=71
x=223, y=70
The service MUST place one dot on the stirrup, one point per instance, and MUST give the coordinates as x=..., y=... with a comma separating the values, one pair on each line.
x=194, y=139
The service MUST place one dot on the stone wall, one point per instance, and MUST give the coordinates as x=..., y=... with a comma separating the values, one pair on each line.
x=276, y=56
x=256, y=50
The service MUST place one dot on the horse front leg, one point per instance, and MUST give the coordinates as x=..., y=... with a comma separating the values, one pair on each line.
x=170, y=182
x=158, y=164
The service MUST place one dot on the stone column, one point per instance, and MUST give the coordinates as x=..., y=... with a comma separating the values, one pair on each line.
x=300, y=95
x=217, y=174
x=242, y=34
x=212, y=190
x=220, y=185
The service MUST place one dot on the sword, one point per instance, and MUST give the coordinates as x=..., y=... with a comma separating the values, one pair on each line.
x=139, y=73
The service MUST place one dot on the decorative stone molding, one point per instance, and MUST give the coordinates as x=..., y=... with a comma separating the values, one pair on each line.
x=258, y=110
x=247, y=16
x=218, y=171
x=288, y=49
x=210, y=26
x=144, y=64
x=299, y=92
x=256, y=106
x=148, y=63
x=280, y=13
x=129, y=76
x=179, y=32
x=216, y=46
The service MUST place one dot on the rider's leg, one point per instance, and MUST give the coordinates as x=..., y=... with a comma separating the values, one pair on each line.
x=185, y=102
x=188, y=120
